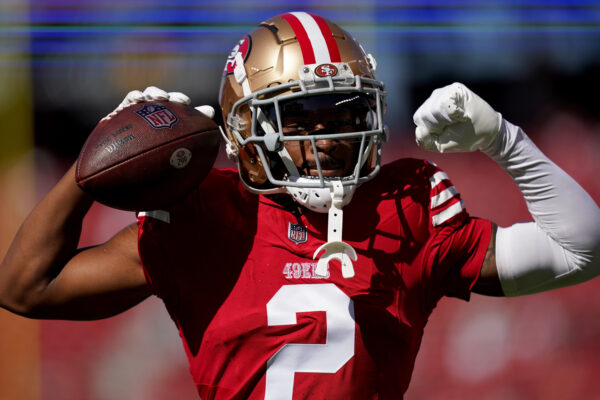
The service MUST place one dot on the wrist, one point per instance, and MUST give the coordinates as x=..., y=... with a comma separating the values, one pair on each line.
x=499, y=145
x=74, y=200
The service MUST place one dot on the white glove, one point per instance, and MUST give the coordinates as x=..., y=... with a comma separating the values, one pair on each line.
x=454, y=119
x=152, y=93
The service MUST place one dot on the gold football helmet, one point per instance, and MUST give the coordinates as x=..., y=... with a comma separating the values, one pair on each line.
x=291, y=60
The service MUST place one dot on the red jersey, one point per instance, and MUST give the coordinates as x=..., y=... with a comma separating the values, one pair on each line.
x=236, y=274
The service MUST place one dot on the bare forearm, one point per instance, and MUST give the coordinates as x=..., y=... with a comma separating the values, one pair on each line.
x=46, y=240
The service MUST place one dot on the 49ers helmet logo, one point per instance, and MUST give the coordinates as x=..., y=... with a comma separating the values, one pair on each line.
x=325, y=70
x=243, y=47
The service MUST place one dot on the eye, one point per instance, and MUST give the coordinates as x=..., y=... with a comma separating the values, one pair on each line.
x=294, y=129
x=342, y=125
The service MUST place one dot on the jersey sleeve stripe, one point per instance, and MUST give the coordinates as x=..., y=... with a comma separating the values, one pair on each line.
x=161, y=215
x=448, y=213
x=443, y=196
x=437, y=178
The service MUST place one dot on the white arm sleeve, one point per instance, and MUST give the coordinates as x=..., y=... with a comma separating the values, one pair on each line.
x=562, y=246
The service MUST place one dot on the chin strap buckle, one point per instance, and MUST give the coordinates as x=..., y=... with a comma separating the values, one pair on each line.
x=230, y=147
x=335, y=249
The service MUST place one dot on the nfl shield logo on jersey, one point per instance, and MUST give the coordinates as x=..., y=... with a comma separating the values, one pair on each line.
x=297, y=233
x=158, y=116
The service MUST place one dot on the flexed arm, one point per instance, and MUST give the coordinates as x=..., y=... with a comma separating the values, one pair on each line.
x=562, y=246
x=44, y=276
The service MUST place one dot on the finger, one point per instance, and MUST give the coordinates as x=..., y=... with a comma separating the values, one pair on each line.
x=425, y=119
x=458, y=137
x=109, y=116
x=425, y=139
x=448, y=142
x=452, y=102
x=179, y=97
x=152, y=93
x=133, y=97
x=432, y=114
x=430, y=120
x=207, y=110
x=444, y=107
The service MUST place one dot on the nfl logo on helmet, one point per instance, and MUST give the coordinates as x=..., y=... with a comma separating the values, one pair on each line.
x=158, y=116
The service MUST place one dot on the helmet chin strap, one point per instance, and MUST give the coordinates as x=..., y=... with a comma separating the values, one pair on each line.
x=335, y=249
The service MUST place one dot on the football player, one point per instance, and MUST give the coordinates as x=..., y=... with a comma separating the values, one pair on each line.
x=309, y=272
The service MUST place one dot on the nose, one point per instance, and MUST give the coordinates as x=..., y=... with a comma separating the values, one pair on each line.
x=324, y=145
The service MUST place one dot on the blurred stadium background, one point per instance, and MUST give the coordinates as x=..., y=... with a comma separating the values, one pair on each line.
x=66, y=63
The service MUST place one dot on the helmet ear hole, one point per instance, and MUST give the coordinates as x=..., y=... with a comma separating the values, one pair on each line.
x=371, y=119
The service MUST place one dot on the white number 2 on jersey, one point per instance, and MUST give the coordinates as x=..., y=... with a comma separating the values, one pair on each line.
x=306, y=357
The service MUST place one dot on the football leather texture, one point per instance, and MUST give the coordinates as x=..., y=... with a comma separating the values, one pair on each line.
x=148, y=155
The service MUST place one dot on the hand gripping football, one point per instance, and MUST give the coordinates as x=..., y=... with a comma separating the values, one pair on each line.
x=148, y=155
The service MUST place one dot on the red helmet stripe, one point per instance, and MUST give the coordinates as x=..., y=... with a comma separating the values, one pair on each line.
x=305, y=46
x=314, y=36
x=334, y=51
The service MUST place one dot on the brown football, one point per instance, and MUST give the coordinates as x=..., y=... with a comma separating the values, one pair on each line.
x=148, y=155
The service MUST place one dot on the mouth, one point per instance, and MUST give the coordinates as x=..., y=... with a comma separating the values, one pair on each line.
x=329, y=166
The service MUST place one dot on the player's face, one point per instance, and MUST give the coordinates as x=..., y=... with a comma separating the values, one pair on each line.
x=324, y=115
